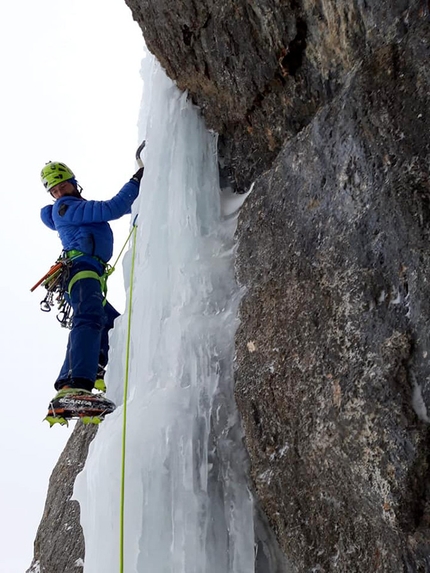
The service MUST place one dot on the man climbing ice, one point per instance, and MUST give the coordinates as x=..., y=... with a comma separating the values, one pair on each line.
x=87, y=241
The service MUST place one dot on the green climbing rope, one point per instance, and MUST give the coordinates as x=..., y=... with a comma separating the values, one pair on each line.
x=124, y=420
x=112, y=268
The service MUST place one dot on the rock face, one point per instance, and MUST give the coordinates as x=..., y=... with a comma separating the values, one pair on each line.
x=261, y=69
x=59, y=545
x=325, y=105
x=333, y=344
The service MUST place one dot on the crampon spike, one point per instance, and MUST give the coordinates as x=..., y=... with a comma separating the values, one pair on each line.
x=100, y=385
x=52, y=420
x=91, y=420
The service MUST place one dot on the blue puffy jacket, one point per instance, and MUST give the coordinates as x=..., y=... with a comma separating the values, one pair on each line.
x=83, y=225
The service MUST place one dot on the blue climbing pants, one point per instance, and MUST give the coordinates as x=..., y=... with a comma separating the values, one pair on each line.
x=88, y=344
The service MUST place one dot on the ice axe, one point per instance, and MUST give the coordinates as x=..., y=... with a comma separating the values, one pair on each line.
x=138, y=152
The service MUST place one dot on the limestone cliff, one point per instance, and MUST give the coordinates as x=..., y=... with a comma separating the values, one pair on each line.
x=324, y=106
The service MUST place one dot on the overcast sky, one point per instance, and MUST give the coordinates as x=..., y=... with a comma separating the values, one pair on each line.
x=70, y=91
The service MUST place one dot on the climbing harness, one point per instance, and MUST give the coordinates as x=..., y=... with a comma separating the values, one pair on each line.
x=58, y=283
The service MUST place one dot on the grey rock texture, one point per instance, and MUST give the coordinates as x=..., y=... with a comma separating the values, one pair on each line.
x=59, y=545
x=325, y=105
x=334, y=336
x=261, y=69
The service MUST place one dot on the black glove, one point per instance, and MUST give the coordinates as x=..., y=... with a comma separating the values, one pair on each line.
x=138, y=175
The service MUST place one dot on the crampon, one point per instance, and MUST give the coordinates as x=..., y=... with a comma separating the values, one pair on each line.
x=78, y=404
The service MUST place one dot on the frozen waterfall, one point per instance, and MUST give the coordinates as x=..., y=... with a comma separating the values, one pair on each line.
x=187, y=505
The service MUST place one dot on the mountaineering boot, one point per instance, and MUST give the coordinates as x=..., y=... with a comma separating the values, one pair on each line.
x=99, y=384
x=76, y=403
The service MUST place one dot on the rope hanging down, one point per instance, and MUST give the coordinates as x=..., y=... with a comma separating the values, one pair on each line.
x=126, y=378
x=124, y=422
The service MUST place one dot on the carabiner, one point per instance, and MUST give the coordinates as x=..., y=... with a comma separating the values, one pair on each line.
x=47, y=303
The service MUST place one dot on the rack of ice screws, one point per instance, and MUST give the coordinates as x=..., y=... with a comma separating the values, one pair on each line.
x=55, y=284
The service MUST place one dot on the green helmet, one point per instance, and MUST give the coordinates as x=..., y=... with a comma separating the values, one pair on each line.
x=54, y=173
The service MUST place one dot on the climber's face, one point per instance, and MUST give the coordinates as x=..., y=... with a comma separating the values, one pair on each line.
x=62, y=189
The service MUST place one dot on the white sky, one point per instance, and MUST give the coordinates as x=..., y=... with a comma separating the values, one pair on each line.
x=70, y=91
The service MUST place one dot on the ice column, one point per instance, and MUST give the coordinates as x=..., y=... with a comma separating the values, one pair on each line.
x=188, y=508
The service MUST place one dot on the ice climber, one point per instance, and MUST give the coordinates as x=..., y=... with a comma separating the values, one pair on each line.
x=87, y=241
